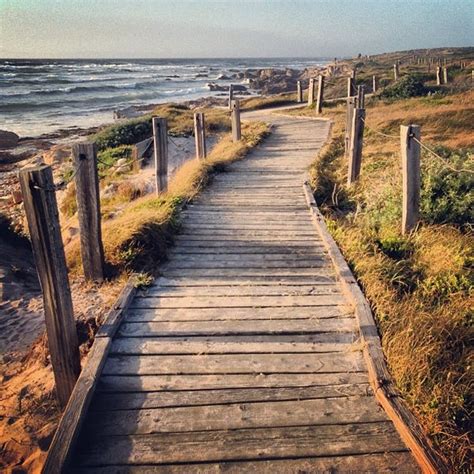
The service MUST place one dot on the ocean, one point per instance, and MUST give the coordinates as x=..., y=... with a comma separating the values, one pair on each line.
x=43, y=96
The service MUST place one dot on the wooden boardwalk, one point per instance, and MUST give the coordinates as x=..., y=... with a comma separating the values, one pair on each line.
x=244, y=356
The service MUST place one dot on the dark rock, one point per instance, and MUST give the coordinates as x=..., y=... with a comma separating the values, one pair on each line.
x=8, y=139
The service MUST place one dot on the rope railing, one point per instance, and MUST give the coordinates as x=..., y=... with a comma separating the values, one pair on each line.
x=443, y=160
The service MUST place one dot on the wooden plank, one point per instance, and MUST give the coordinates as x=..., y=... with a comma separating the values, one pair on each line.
x=233, y=364
x=237, y=301
x=325, y=411
x=368, y=463
x=248, y=272
x=236, y=265
x=217, y=314
x=322, y=342
x=244, y=281
x=229, y=327
x=329, y=440
x=279, y=290
x=146, y=400
x=151, y=383
x=196, y=249
x=250, y=245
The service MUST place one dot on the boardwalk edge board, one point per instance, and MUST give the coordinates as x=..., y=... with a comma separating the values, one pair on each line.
x=74, y=413
x=379, y=376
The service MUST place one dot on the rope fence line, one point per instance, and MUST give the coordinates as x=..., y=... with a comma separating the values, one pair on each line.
x=379, y=133
x=443, y=160
x=425, y=147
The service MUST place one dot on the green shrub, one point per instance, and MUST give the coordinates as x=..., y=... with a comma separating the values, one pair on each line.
x=108, y=157
x=126, y=133
x=406, y=87
x=447, y=195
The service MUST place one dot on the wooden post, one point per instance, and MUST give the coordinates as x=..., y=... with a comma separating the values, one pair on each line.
x=355, y=149
x=350, y=86
x=410, y=151
x=439, y=80
x=41, y=210
x=349, y=114
x=311, y=92
x=299, y=92
x=360, y=97
x=160, y=142
x=353, y=74
x=374, y=84
x=200, y=135
x=395, y=71
x=84, y=156
x=445, y=75
x=235, y=118
x=319, y=99
x=231, y=95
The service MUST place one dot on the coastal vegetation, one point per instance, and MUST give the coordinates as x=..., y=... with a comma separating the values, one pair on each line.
x=420, y=286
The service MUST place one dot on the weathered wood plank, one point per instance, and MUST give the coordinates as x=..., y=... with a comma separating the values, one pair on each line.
x=236, y=327
x=243, y=314
x=152, y=383
x=294, y=280
x=322, y=342
x=367, y=463
x=348, y=439
x=325, y=411
x=316, y=272
x=237, y=301
x=219, y=291
x=233, y=364
x=144, y=400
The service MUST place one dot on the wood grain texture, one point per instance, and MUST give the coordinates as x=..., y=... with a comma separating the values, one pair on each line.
x=84, y=157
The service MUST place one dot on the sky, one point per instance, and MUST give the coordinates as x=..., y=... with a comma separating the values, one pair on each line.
x=229, y=28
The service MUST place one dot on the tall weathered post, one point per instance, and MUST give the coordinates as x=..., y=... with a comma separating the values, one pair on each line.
x=360, y=97
x=235, y=119
x=311, y=92
x=200, y=135
x=299, y=92
x=84, y=157
x=374, y=84
x=349, y=114
x=319, y=99
x=410, y=151
x=445, y=75
x=160, y=142
x=350, y=86
x=41, y=210
x=439, y=79
x=395, y=71
x=355, y=149
x=231, y=95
